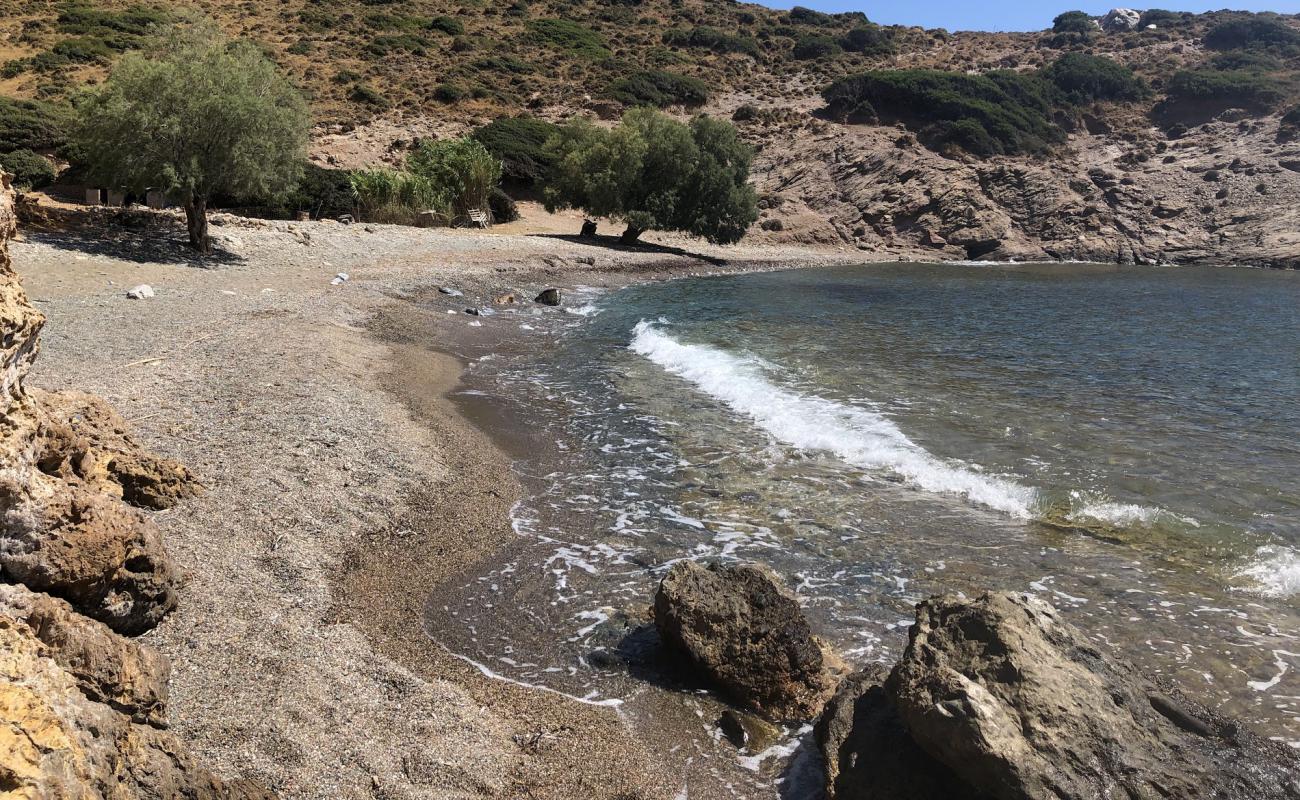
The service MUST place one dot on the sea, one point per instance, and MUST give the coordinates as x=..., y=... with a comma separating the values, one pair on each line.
x=1123, y=442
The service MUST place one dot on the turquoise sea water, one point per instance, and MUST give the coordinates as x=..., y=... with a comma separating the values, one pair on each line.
x=1122, y=441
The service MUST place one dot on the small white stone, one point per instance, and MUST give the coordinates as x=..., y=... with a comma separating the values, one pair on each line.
x=142, y=292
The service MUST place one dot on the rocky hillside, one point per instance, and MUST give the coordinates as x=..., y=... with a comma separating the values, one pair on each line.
x=1192, y=159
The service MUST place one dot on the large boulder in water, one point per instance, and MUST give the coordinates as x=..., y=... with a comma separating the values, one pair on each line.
x=747, y=634
x=1018, y=704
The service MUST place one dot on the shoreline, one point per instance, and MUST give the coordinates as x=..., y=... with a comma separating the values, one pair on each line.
x=266, y=380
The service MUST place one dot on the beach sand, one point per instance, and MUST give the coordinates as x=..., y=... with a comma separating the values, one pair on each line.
x=342, y=487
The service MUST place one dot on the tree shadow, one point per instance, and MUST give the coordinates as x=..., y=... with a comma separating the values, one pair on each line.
x=616, y=243
x=136, y=246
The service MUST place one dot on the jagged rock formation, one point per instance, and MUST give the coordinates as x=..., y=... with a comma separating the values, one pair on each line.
x=998, y=697
x=747, y=634
x=82, y=709
x=1123, y=196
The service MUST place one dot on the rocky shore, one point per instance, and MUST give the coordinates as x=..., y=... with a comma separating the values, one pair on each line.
x=994, y=697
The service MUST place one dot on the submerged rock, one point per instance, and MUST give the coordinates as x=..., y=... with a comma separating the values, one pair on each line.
x=748, y=731
x=1018, y=705
x=747, y=634
x=549, y=297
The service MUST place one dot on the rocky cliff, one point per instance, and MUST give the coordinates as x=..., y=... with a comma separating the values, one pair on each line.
x=83, y=708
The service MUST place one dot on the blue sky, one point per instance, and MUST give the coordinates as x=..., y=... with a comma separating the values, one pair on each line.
x=1008, y=15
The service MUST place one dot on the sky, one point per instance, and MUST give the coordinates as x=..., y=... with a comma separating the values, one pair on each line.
x=1007, y=15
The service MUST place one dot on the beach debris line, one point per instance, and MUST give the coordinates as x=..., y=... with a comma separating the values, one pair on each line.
x=999, y=697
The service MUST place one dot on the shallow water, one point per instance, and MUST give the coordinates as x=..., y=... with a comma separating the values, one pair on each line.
x=1122, y=441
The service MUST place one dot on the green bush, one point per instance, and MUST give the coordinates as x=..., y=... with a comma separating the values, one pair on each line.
x=1012, y=108
x=811, y=47
x=1292, y=117
x=30, y=170
x=655, y=173
x=448, y=25
x=706, y=38
x=367, y=95
x=567, y=35
x=799, y=15
x=1252, y=31
x=386, y=45
x=871, y=40
x=394, y=196
x=1251, y=60
x=1073, y=22
x=1231, y=89
x=395, y=22
x=659, y=89
x=33, y=125
x=1163, y=19
x=505, y=62
x=449, y=93
x=86, y=19
x=502, y=206
x=520, y=144
x=322, y=192
x=1084, y=78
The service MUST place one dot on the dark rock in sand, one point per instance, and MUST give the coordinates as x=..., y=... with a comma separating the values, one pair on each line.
x=1020, y=706
x=588, y=229
x=748, y=636
x=549, y=297
x=868, y=755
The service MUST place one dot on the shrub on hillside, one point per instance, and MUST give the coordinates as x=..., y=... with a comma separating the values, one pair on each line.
x=30, y=170
x=1163, y=19
x=1011, y=108
x=655, y=173
x=706, y=38
x=567, y=35
x=871, y=40
x=1073, y=22
x=448, y=25
x=1250, y=60
x=799, y=15
x=1083, y=78
x=520, y=144
x=504, y=62
x=1214, y=89
x=32, y=125
x=808, y=48
x=388, y=45
x=660, y=89
x=1252, y=31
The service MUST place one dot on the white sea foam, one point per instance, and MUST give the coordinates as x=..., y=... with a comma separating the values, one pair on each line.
x=859, y=436
x=1124, y=515
x=1275, y=572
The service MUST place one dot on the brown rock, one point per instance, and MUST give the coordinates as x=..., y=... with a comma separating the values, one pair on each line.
x=58, y=742
x=747, y=634
x=1020, y=705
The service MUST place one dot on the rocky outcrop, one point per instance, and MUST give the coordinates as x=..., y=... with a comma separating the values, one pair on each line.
x=80, y=712
x=1120, y=191
x=82, y=708
x=1002, y=696
x=746, y=633
x=1119, y=20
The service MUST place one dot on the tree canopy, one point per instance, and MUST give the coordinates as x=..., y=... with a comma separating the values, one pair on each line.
x=195, y=115
x=655, y=173
x=462, y=171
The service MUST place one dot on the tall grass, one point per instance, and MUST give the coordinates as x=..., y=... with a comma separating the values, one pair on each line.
x=396, y=197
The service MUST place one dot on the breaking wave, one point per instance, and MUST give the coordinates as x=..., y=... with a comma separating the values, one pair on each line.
x=863, y=438
x=1275, y=572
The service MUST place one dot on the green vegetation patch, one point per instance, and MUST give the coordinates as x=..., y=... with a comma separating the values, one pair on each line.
x=505, y=63
x=1083, y=78
x=390, y=44
x=567, y=35
x=1251, y=32
x=705, y=38
x=660, y=89
x=33, y=125
x=30, y=170
x=998, y=112
x=1215, y=89
x=808, y=48
x=519, y=142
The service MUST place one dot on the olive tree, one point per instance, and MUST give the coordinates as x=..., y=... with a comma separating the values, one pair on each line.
x=195, y=115
x=655, y=173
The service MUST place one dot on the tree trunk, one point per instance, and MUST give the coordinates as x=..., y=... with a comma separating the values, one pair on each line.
x=631, y=235
x=196, y=221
